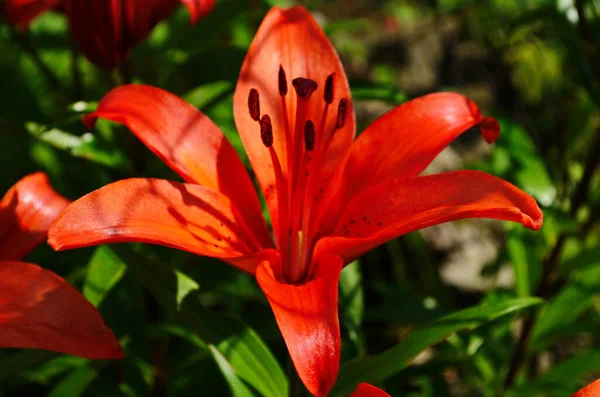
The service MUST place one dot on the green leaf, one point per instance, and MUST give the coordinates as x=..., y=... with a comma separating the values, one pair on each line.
x=104, y=271
x=238, y=388
x=88, y=146
x=366, y=91
x=565, y=378
x=76, y=383
x=587, y=258
x=168, y=285
x=352, y=303
x=240, y=345
x=566, y=308
x=378, y=368
x=525, y=262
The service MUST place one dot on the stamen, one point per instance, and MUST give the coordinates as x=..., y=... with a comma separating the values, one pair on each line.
x=282, y=80
x=309, y=135
x=342, y=114
x=266, y=131
x=304, y=87
x=329, y=88
x=254, y=104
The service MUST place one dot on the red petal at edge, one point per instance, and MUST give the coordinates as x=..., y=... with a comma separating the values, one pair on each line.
x=26, y=213
x=591, y=390
x=307, y=316
x=400, y=206
x=367, y=390
x=39, y=310
x=188, y=142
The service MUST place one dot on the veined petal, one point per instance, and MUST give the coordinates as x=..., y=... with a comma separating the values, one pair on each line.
x=39, y=310
x=307, y=316
x=403, y=142
x=290, y=39
x=199, y=8
x=26, y=213
x=367, y=390
x=183, y=216
x=188, y=142
x=591, y=390
x=400, y=206
x=22, y=12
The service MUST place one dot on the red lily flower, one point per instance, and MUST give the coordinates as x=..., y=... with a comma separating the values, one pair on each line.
x=367, y=390
x=330, y=199
x=38, y=309
x=106, y=30
x=591, y=390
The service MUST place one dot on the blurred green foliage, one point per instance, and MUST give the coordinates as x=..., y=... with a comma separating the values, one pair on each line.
x=192, y=326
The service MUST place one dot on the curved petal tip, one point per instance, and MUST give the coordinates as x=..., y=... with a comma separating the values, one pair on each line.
x=490, y=129
x=591, y=390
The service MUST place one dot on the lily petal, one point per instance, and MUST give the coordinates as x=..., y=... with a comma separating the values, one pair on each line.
x=22, y=12
x=591, y=390
x=183, y=216
x=367, y=390
x=188, y=142
x=26, y=213
x=199, y=8
x=292, y=39
x=39, y=310
x=307, y=316
x=403, y=142
x=400, y=206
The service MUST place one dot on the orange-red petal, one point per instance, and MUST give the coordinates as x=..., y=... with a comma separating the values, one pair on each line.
x=307, y=316
x=400, y=206
x=183, y=216
x=292, y=39
x=26, y=213
x=39, y=310
x=199, y=8
x=188, y=142
x=591, y=390
x=22, y=12
x=402, y=142
x=367, y=390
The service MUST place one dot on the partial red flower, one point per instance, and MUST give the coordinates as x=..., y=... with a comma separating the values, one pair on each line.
x=38, y=309
x=331, y=198
x=367, y=390
x=591, y=390
x=106, y=30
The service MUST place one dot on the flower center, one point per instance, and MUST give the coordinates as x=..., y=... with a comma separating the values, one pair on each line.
x=303, y=153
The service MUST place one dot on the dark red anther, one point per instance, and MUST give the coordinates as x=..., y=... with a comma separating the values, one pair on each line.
x=310, y=136
x=329, y=88
x=282, y=80
x=304, y=87
x=254, y=104
x=266, y=130
x=342, y=113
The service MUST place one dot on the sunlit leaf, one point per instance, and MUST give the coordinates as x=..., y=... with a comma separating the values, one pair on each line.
x=390, y=362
